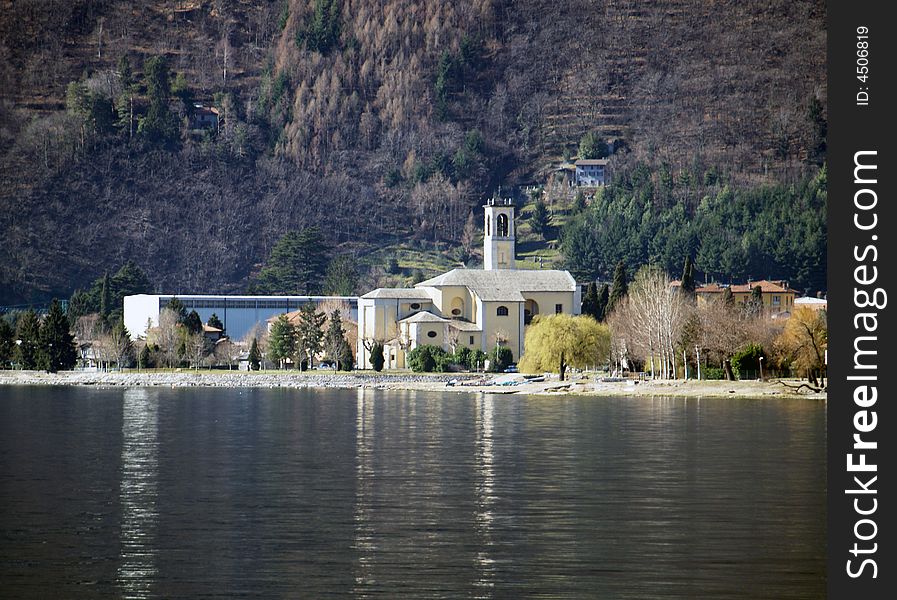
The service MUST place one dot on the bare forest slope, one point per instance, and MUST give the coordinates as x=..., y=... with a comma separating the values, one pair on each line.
x=382, y=121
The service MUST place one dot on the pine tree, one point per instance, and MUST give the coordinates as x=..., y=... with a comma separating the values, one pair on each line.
x=281, y=340
x=7, y=343
x=296, y=265
x=601, y=305
x=105, y=298
x=27, y=340
x=193, y=322
x=688, y=278
x=145, y=358
x=255, y=356
x=56, y=343
x=342, y=276
x=619, y=287
x=178, y=308
x=540, y=220
x=310, y=333
x=590, y=301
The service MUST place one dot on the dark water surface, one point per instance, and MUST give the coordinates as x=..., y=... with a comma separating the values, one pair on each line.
x=198, y=493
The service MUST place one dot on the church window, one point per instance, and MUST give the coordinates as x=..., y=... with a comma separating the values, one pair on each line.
x=415, y=306
x=431, y=334
x=502, y=311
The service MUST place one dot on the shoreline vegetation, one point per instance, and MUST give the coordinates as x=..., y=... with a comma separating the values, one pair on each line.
x=584, y=384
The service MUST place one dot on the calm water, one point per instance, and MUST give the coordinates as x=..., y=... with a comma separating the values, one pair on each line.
x=308, y=494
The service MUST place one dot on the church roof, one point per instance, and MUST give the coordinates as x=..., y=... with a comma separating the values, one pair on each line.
x=423, y=316
x=504, y=285
x=399, y=293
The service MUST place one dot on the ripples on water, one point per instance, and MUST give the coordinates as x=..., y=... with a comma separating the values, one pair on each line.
x=153, y=493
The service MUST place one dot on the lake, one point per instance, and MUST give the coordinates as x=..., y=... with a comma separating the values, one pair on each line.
x=195, y=493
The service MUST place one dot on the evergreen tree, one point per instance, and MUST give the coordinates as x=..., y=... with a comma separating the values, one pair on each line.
x=175, y=305
x=540, y=220
x=56, y=343
x=310, y=333
x=619, y=287
x=688, y=278
x=296, y=265
x=79, y=305
x=590, y=301
x=105, y=298
x=342, y=276
x=601, y=305
x=281, y=341
x=145, y=358
x=214, y=321
x=322, y=27
x=377, y=359
x=591, y=146
x=193, y=322
x=27, y=340
x=159, y=125
x=255, y=356
x=7, y=343
x=754, y=304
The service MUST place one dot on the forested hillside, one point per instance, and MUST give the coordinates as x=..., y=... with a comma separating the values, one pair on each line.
x=383, y=122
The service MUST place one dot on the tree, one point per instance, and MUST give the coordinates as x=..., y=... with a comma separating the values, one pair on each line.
x=215, y=322
x=105, y=298
x=56, y=343
x=28, y=340
x=601, y=304
x=281, y=341
x=310, y=333
x=425, y=358
x=688, y=278
x=335, y=345
x=540, y=220
x=119, y=344
x=555, y=342
x=296, y=265
x=167, y=335
x=193, y=323
x=7, y=343
x=159, y=125
x=79, y=305
x=255, y=356
x=198, y=348
x=341, y=278
x=805, y=341
x=754, y=305
x=177, y=307
x=377, y=356
x=145, y=357
x=619, y=287
x=590, y=301
x=500, y=358
x=591, y=146
x=322, y=27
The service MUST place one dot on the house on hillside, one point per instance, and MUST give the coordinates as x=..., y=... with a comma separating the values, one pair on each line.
x=590, y=172
x=204, y=117
x=476, y=308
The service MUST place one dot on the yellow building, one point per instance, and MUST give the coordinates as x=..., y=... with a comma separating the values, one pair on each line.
x=776, y=295
x=477, y=308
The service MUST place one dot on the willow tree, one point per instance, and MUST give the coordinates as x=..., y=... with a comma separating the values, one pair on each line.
x=556, y=342
x=805, y=340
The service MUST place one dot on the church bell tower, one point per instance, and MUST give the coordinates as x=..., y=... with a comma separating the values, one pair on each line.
x=498, y=241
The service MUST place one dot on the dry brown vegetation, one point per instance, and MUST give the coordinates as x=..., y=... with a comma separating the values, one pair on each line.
x=361, y=138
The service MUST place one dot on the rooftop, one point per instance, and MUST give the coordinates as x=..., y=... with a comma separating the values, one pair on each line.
x=398, y=294
x=504, y=285
x=591, y=162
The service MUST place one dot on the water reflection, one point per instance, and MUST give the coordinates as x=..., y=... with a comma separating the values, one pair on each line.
x=139, y=482
x=363, y=542
x=485, y=493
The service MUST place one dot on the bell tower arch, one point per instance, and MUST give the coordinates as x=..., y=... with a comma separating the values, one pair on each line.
x=499, y=239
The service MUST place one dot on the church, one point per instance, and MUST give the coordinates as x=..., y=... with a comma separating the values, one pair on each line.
x=477, y=308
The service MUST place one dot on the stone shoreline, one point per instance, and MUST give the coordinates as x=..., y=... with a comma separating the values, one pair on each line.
x=443, y=382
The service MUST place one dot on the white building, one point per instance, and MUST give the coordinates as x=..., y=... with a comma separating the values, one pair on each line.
x=590, y=172
x=477, y=308
x=239, y=314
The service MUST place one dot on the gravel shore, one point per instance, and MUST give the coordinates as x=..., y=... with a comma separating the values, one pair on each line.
x=445, y=382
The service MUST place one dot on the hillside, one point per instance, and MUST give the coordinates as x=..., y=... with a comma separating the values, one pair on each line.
x=385, y=122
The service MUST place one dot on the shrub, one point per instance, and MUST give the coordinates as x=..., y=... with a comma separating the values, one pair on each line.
x=427, y=358
x=713, y=373
x=377, y=359
x=747, y=360
x=500, y=358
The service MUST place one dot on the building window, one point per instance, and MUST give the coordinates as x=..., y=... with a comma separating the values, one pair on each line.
x=415, y=306
x=502, y=311
x=456, y=312
x=471, y=340
x=431, y=334
x=776, y=300
x=558, y=309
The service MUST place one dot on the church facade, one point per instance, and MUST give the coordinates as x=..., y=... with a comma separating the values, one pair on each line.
x=477, y=308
